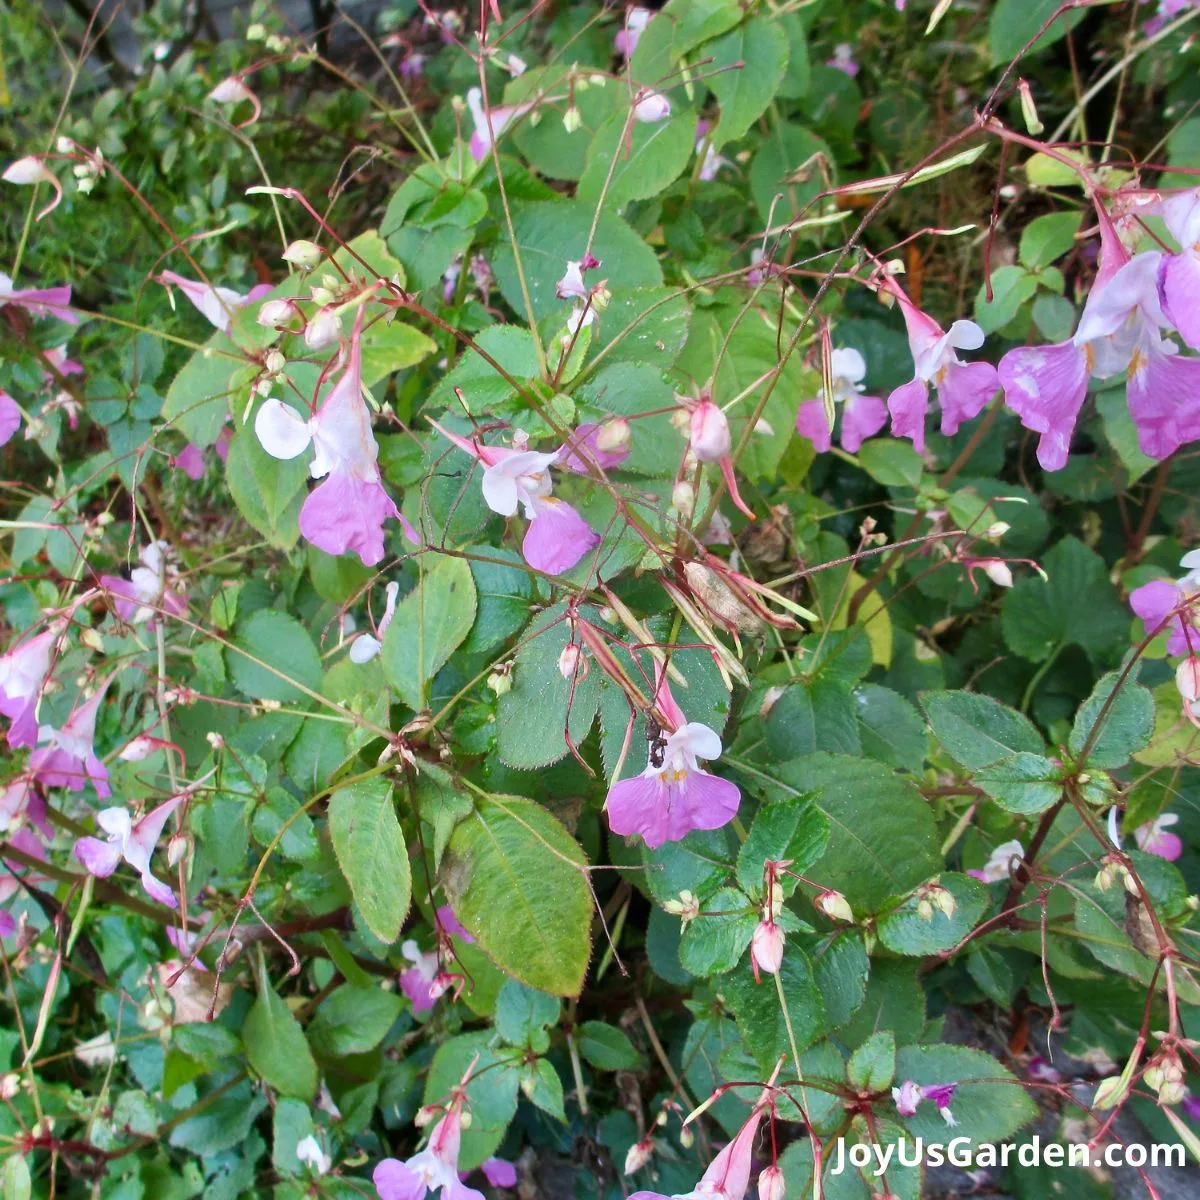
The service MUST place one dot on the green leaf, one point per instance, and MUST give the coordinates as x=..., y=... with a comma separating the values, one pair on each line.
x=787, y=149
x=991, y=971
x=696, y=864
x=813, y=714
x=798, y=76
x=1047, y=238
x=890, y=462
x=1011, y=287
x=882, y=838
x=890, y=728
x=504, y=593
x=1022, y=783
x=872, y=1067
x=760, y=1016
x=430, y=624
x=748, y=65
x=353, y=1020
x=293, y=1123
x=392, y=347
x=841, y=971
x=606, y=1047
x=1126, y=725
x=791, y=829
x=1015, y=22
x=542, y=705
x=986, y=1112
x=649, y=157
x=976, y=730
x=548, y=233
x=287, y=658
x=516, y=880
x=204, y=391
x=268, y=492
x=15, y=1182
x=717, y=939
x=522, y=1015
x=275, y=1045
x=547, y=146
x=370, y=849
x=905, y=931
x=544, y=1088
x=1038, y=616
x=695, y=21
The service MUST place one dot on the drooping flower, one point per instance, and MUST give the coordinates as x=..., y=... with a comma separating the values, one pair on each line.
x=21, y=803
x=636, y=20
x=728, y=1177
x=1000, y=865
x=425, y=981
x=69, y=759
x=39, y=302
x=216, y=304
x=766, y=948
x=23, y=672
x=232, y=91
x=862, y=416
x=489, y=123
x=365, y=647
x=710, y=441
x=572, y=285
x=433, y=1169
x=963, y=389
x=147, y=592
x=348, y=510
x=518, y=478
x=311, y=1154
x=673, y=796
x=1179, y=274
x=1153, y=837
x=1155, y=602
x=909, y=1095
x=135, y=843
x=31, y=170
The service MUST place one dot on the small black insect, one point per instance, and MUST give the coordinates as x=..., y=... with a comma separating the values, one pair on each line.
x=658, y=743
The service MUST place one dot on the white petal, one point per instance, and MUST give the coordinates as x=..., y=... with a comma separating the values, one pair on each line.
x=500, y=490
x=1191, y=561
x=847, y=363
x=116, y=823
x=965, y=335
x=282, y=432
x=364, y=648
x=701, y=740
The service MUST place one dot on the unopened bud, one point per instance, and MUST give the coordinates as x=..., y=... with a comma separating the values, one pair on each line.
x=687, y=907
x=177, y=849
x=924, y=910
x=215, y=740
x=639, y=1155
x=426, y=1115
x=1187, y=678
x=10, y=1085
x=571, y=119
x=834, y=905
x=323, y=330
x=766, y=948
x=500, y=682
x=998, y=571
x=683, y=498
x=303, y=253
x=1028, y=109
x=276, y=312
x=661, y=1120
x=613, y=437
x=996, y=530
x=572, y=664
x=92, y=640
x=464, y=1118
x=686, y=1138
x=652, y=107
x=321, y=295
x=771, y=1184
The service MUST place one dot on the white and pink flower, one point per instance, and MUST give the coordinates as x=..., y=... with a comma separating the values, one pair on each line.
x=133, y=842
x=39, y=302
x=148, y=592
x=23, y=672
x=218, y=305
x=862, y=416
x=1154, y=837
x=434, y=1169
x=68, y=759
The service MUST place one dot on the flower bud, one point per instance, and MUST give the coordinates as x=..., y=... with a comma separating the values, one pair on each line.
x=998, y=571
x=1028, y=109
x=639, y=1155
x=686, y=1138
x=766, y=948
x=426, y=1115
x=687, y=907
x=834, y=905
x=10, y=1085
x=500, y=682
x=303, y=253
x=276, y=312
x=771, y=1184
x=232, y=91
x=614, y=437
x=92, y=640
x=572, y=119
x=652, y=107
x=177, y=849
x=323, y=330
x=683, y=498
x=709, y=432
x=1187, y=678
x=275, y=361
x=572, y=664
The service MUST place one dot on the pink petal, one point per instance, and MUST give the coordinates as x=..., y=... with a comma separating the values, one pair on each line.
x=584, y=439
x=963, y=391
x=1164, y=401
x=22, y=711
x=862, y=417
x=53, y=767
x=10, y=417
x=98, y=858
x=394, y=1181
x=811, y=423
x=908, y=405
x=418, y=989
x=1046, y=386
x=557, y=537
x=457, y=1190
x=126, y=602
x=190, y=460
x=43, y=302
x=451, y=924
x=663, y=812
x=347, y=514
x=1153, y=602
x=1179, y=288
x=499, y=1172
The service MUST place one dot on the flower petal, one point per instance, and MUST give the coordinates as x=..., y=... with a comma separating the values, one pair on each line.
x=10, y=417
x=1179, y=286
x=557, y=537
x=1046, y=386
x=394, y=1180
x=280, y=430
x=98, y=858
x=811, y=423
x=862, y=417
x=908, y=405
x=964, y=390
x=347, y=514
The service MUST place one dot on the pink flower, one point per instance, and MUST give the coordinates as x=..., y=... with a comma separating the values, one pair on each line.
x=862, y=416
x=712, y=162
x=448, y=923
x=57, y=358
x=963, y=389
x=673, y=796
x=489, y=124
x=147, y=591
x=710, y=441
x=20, y=802
x=1156, y=601
x=606, y=444
x=728, y=1178
x=432, y=1169
x=557, y=536
x=348, y=510
x=10, y=417
x=190, y=460
x=766, y=948
x=217, y=304
x=1179, y=274
x=425, y=981
x=499, y=1172
x=13, y=872
x=39, y=302
x=23, y=672
x=365, y=647
x=1153, y=838
x=909, y=1095
x=1000, y=865
x=70, y=758
x=636, y=20
x=843, y=59
x=1163, y=395
x=135, y=843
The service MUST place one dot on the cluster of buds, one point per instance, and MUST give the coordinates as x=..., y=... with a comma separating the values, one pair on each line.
x=87, y=172
x=271, y=374
x=686, y=907
x=1112, y=870
x=1164, y=1076
x=933, y=897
